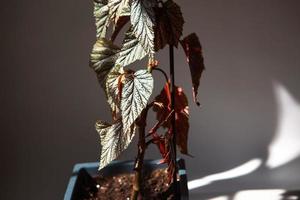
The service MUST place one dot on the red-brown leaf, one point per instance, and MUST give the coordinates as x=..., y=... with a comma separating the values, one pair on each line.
x=164, y=146
x=160, y=142
x=193, y=51
x=181, y=114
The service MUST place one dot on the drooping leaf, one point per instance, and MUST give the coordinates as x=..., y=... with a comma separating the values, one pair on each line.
x=181, y=112
x=193, y=51
x=103, y=58
x=143, y=22
x=136, y=91
x=131, y=50
x=169, y=25
x=101, y=13
x=113, y=140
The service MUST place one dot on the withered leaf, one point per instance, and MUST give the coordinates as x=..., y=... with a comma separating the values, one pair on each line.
x=169, y=25
x=181, y=112
x=101, y=14
x=193, y=51
x=113, y=140
x=143, y=22
x=137, y=89
x=131, y=50
x=103, y=57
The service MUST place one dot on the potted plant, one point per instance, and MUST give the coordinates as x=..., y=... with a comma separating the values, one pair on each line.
x=153, y=24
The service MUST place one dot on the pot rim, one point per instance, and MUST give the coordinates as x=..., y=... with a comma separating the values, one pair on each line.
x=121, y=167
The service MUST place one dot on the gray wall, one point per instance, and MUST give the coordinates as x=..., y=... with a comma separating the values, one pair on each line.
x=50, y=98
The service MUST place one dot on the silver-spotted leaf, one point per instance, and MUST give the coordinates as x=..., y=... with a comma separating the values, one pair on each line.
x=143, y=22
x=103, y=58
x=119, y=12
x=118, y=8
x=169, y=24
x=101, y=13
x=193, y=51
x=113, y=93
x=113, y=140
x=137, y=89
x=131, y=50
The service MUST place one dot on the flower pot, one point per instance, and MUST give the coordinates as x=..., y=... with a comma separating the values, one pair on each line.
x=84, y=173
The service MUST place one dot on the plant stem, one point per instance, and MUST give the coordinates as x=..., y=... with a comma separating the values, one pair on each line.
x=173, y=121
x=138, y=166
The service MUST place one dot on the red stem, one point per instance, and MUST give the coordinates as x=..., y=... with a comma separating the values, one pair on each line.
x=138, y=167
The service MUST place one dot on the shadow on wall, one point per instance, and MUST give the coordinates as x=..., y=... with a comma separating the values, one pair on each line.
x=283, y=149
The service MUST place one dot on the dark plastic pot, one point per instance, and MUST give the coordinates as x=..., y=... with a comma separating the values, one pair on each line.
x=83, y=173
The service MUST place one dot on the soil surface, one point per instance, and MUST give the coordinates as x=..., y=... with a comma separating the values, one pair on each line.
x=119, y=187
